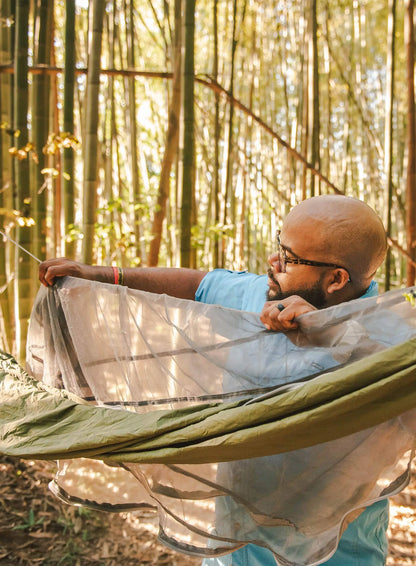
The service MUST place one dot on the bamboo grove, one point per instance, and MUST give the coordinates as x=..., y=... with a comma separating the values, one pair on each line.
x=176, y=132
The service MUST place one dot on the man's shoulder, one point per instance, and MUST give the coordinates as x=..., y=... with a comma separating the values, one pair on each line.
x=241, y=290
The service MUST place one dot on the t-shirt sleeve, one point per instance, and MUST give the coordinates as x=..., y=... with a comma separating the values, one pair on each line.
x=233, y=289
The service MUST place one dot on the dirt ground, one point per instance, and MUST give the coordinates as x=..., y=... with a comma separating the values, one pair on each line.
x=37, y=529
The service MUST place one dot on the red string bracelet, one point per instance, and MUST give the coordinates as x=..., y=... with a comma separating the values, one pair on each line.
x=116, y=275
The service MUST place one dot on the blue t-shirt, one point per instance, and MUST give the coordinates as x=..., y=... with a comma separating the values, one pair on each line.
x=242, y=290
x=364, y=543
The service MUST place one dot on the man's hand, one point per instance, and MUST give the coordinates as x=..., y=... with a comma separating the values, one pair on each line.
x=50, y=269
x=274, y=317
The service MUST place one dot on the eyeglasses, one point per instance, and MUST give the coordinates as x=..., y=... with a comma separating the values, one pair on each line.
x=284, y=259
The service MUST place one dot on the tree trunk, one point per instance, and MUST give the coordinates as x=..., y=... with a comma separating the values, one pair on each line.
x=43, y=37
x=171, y=145
x=328, y=157
x=188, y=180
x=55, y=162
x=110, y=138
x=216, y=185
x=313, y=95
x=411, y=144
x=388, y=133
x=23, y=286
x=229, y=205
x=135, y=199
x=91, y=130
x=6, y=180
x=68, y=184
x=304, y=107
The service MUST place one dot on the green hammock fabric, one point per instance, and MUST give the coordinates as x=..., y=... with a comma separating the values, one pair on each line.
x=46, y=423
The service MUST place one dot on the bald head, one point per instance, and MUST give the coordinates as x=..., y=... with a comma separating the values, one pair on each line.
x=346, y=231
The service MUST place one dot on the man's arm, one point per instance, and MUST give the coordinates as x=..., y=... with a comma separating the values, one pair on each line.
x=177, y=282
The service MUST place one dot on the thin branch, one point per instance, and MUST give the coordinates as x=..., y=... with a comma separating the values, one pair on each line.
x=218, y=88
x=47, y=69
x=395, y=244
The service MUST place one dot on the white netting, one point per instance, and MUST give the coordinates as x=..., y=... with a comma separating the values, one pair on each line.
x=138, y=351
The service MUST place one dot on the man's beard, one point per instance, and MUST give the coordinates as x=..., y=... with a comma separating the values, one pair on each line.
x=313, y=294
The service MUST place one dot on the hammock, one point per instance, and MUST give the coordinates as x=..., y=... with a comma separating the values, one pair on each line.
x=231, y=433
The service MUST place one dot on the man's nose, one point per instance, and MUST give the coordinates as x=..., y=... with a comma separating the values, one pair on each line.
x=274, y=261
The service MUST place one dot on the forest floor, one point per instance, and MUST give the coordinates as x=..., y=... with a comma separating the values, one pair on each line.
x=37, y=529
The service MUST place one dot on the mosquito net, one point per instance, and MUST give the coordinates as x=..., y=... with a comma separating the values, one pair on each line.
x=230, y=433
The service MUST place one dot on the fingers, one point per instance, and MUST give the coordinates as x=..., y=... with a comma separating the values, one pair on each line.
x=275, y=316
x=50, y=269
x=281, y=316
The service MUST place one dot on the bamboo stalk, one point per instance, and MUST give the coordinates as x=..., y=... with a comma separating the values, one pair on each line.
x=411, y=143
x=91, y=130
x=171, y=144
x=22, y=284
x=6, y=181
x=188, y=181
x=68, y=185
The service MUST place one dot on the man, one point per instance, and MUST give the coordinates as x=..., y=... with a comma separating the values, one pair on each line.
x=327, y=252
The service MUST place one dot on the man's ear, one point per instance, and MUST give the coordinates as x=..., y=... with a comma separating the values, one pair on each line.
x=338, y=278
